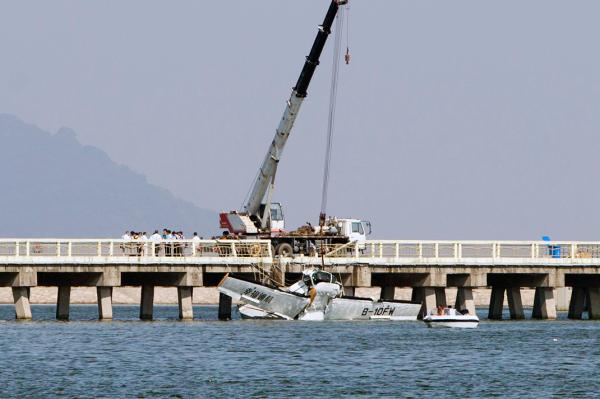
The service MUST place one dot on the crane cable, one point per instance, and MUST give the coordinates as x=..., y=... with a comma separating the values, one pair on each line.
x=347, y=56
x=339, y=24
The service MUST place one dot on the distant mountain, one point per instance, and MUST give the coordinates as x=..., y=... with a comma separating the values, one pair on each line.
x=53, y=186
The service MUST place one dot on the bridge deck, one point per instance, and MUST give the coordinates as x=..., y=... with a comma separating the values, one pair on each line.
x=426, y=266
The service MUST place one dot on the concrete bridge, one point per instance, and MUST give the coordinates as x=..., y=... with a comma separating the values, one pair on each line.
x=428, y=267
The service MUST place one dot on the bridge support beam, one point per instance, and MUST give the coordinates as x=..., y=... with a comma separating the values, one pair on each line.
x=147, y=302
x=63, y=301
x=224, y=307
x=544, y=306
x=440, y=297
x=594, y=303
x=496, y=303
x=186, y=309
x=425, y=295
x=387, y=293
x=577, y=303
x=22, y=306
x=464, y=300
x=515, y=305
x=104, y=295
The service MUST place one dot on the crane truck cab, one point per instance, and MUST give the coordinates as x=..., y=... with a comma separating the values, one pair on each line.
x=356, y=230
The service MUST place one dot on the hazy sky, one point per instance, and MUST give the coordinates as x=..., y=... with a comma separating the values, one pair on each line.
x=456, y=120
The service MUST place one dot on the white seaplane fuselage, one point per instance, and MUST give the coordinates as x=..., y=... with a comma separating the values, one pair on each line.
x=318, y=296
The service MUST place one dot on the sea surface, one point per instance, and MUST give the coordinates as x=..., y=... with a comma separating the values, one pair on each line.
x=168, y=358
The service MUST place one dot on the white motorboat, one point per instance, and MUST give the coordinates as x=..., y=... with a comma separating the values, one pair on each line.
x=318, y=296
x=451, y=319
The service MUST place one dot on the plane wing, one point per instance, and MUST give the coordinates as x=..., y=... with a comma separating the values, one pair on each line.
x=270, y=300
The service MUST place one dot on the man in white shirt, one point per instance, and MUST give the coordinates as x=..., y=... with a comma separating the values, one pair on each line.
x=196, y=244
x=126, y=236
x=195, y=238
x=156, y=239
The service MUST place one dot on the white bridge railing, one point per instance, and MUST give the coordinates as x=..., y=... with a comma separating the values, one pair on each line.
x=385, y=249
x=468, y=250
x=135, y=248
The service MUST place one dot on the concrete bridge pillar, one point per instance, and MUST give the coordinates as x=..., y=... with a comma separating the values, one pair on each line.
x=496, y=303
x=562, y=298
x=425, y=295
x=224, y=307
x=515, y=305
x=62, y=302
x=22, y=306
x=594, y=303
x=464, y=300
x=440, y=296
x=278, y=274
x=361, y=276
x=544, y=306
x=104, y=303
x=186, y=309
x=387, y=293
x=147, y=302
x=577, y=303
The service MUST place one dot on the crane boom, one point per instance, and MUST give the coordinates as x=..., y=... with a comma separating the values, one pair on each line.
x=268, y=168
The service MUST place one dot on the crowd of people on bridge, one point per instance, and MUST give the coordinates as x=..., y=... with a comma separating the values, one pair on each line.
x=169, y=248
x=174, y=243
x=167, y=234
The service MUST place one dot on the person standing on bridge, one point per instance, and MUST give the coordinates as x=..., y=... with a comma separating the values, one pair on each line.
x=167, y=235
x=125, y=246
x=196, y=243
x=156, y=239
x=178, y=235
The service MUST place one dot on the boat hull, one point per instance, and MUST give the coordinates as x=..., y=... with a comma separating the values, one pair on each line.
x=458, y=321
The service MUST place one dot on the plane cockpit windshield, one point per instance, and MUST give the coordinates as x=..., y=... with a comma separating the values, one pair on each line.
x=319, y=276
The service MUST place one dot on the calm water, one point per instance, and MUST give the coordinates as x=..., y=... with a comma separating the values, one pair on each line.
x=207, y=358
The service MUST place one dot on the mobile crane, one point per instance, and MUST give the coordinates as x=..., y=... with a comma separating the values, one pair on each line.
x=262, y=218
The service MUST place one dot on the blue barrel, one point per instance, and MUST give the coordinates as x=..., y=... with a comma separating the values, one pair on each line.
x=553, y=250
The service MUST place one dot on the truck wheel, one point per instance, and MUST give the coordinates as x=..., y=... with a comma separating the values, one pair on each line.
x=284, y=250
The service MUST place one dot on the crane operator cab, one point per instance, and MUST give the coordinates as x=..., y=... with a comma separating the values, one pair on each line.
x=277, y=221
